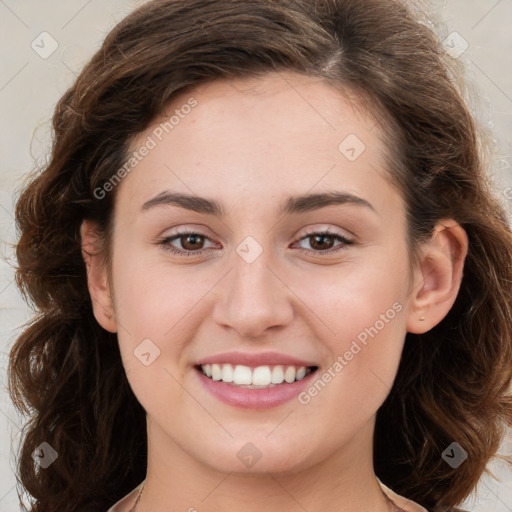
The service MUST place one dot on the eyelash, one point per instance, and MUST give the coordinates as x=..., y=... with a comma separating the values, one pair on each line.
x=165, y=243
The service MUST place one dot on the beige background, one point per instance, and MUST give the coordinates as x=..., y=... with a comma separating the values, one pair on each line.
x=30, y=86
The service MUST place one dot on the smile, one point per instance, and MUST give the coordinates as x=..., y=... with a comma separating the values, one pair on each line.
x=255, y=377
x=254, y=387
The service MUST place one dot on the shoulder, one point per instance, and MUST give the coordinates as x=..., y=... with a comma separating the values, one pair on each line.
x=124, y=504
x=94, y=508
x=406, y=504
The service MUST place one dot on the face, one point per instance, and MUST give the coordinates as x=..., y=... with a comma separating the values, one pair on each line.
x=253, y=271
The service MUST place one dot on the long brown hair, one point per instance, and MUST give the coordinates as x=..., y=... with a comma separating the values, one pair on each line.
x=66, y=371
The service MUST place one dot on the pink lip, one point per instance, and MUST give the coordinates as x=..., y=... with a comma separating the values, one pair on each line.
x=246, y=398
x=255, y=359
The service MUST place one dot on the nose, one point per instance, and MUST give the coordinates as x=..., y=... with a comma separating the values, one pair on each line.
x=253, y=298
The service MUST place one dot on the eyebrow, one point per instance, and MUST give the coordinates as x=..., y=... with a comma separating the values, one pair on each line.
x=296, y=204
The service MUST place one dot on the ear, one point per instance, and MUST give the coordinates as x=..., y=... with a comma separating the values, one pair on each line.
x=438, y=277
x=97, y=276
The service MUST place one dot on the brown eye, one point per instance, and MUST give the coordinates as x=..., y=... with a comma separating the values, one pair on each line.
x=191, y=242
x=324, y=242
x=321, y=242
x=185, y=243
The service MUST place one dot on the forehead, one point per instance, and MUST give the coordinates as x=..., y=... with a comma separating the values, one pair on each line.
x=247, y=137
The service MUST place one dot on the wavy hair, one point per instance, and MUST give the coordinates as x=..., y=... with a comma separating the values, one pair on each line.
x=65, y=371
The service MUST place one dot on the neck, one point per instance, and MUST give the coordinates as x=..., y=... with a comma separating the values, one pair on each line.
x=342, y=481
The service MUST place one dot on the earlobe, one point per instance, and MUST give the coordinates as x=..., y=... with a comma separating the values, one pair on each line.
x=438, y=277
x=97, y=276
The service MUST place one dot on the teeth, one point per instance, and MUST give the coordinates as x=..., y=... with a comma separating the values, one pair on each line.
x=301, y=373
x=216, y=372
x=289, y=374
x=227, y=373
x=277, y=375
x=242, y=374
x=261, y=376
x=266, y=376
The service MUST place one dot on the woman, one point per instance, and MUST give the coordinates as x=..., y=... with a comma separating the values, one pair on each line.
x=268, y=267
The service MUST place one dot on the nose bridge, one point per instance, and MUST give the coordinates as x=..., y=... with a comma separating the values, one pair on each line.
x=254, y=298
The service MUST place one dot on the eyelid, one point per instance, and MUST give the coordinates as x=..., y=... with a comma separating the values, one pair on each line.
x=164, y=240
x=329, y=230
x=326, y=228
x=345, y=241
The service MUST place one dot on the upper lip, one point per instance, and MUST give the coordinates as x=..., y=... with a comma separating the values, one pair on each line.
x=255, y=359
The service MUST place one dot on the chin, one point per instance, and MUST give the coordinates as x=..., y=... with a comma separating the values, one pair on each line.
x=249, y=457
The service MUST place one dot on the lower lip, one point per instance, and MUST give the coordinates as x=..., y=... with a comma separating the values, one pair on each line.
x=246, y=398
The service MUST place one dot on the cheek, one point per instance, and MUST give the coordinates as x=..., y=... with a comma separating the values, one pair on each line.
x=147, y=313
x=353, y=298
x=365, y=351
x=364, y=309
x=158, y=308
x=152, y=299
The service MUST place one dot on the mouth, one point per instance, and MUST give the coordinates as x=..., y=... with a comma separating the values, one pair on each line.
x=254, y=387
x=259, y=377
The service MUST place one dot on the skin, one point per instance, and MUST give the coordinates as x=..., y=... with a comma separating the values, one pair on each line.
x=250, y=144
